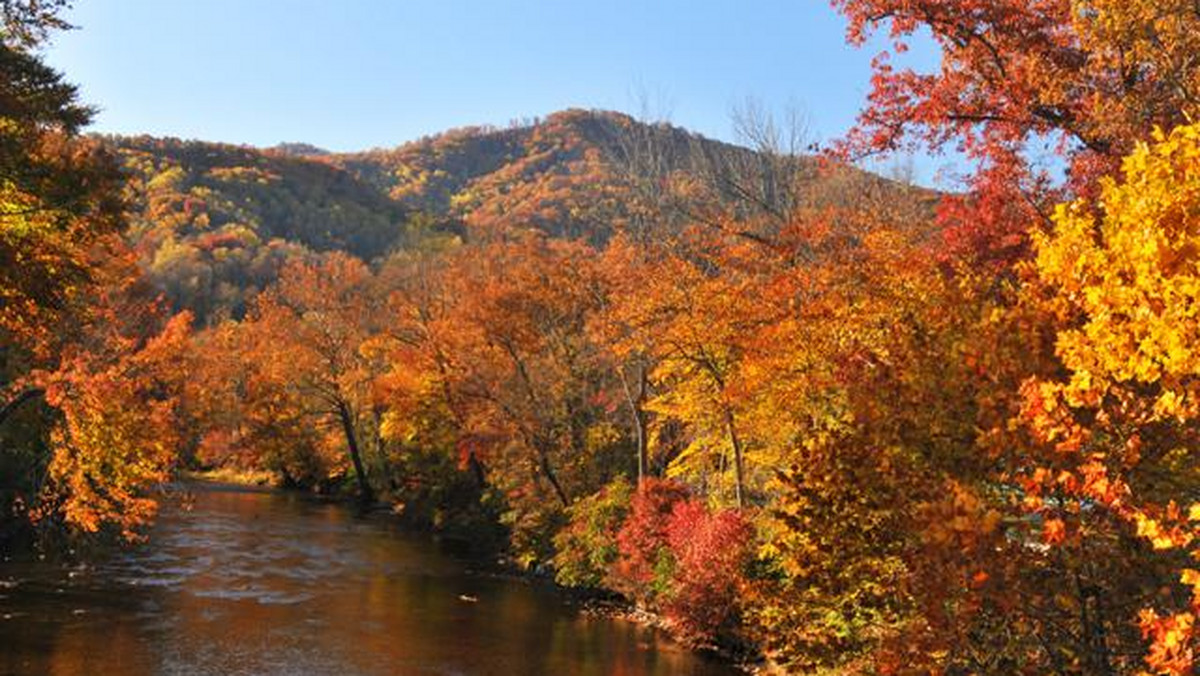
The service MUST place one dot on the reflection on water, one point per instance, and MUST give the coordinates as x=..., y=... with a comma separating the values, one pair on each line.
x=266, y=583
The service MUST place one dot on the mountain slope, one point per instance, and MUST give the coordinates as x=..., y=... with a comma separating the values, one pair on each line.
x=215, y=222
x=569, y=174
x=555, y=174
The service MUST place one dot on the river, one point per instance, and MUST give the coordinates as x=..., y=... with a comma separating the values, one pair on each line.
x=266, y=583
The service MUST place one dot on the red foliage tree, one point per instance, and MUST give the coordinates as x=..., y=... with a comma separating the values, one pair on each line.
x=642, y=542
x=710, y=551
x=1088, y=79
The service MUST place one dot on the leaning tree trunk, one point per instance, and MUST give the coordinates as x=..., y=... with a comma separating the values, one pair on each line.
x=552, y=477
x=365, y=495
x=17, y=401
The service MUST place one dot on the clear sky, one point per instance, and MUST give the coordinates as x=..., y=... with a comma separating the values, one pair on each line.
x=355, y=74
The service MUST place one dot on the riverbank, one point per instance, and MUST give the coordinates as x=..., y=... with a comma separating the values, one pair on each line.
x=231, y=476
x=259, y=581
x=613, y=607
x=598, y=604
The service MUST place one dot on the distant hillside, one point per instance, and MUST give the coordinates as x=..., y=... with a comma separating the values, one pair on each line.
x=214, y=222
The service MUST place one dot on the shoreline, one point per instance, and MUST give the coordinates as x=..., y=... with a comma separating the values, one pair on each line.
x=230, y=477
x=598, y=603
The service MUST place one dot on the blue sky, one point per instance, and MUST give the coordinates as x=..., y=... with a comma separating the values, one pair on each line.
x=355, y=74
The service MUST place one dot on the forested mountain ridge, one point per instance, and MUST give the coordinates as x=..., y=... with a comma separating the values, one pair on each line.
x=214, y=222
x=538, y=172
x=555, y=173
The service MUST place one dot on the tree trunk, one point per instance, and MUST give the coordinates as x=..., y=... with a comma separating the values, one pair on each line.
x=365, y=495
x=639, y=423
x=637, y=415
x=12, y=406
x=477, y=470
x=548, y=471
x=739, y=476
x=643, y=459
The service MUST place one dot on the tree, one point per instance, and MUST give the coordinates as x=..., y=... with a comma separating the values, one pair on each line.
x=27, y=23
x=79, y=336
x=240, y=413
x=687, y=323
x=623, y=267
x=59, y=212
x=529, y=386
x=308, y=334
x=117, y=440
x=425, y=404
x=1090, y=78
x=1118, y=274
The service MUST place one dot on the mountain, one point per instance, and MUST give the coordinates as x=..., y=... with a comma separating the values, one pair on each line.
x=565, y=174
x=213, y=223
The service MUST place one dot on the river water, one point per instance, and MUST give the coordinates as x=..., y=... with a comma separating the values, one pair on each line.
x=256, y=582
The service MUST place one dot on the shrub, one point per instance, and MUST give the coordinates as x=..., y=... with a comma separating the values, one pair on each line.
x=586, y=549
x=710, y=553
x=643, y=568
x=531, y=531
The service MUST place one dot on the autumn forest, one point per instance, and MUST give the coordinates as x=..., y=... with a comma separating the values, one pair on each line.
x=816, y=419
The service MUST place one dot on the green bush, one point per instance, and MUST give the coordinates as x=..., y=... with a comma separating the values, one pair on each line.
x=587, y=547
